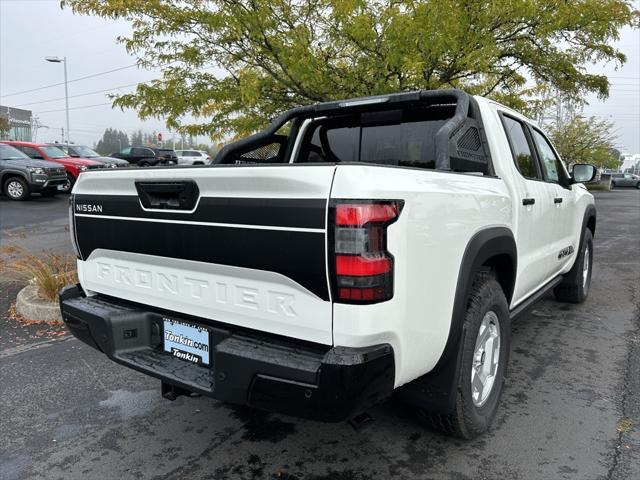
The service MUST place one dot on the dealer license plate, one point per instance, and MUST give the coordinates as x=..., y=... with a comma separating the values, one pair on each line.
x=186, y=341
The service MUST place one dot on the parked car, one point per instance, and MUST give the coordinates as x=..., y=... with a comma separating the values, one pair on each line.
x=382, y=247
x=81, y=151
x=73, y=166
x=193, y=157
x=147, y=156
x=20, y=175
x=625, y=180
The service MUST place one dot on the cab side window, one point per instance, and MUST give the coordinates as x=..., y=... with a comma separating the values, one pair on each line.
x=548, y=158
x=522, y=154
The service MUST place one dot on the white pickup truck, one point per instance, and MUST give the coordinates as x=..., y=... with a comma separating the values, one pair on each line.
x=350, y=251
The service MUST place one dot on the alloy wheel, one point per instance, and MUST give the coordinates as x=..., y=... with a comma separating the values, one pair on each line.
x=486, y=359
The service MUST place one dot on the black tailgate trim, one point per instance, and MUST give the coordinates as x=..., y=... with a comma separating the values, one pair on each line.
x=298, y=255
x=276, y=212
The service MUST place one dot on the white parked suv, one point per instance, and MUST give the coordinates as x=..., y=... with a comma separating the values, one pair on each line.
x=193, y=157
x=383, y=246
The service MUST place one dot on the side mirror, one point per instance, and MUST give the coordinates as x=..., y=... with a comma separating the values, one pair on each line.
x=583, y=173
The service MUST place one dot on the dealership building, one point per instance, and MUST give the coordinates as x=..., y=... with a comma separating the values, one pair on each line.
x=19, y=123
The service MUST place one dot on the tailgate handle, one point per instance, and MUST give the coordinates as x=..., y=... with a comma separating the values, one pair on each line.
x=168, y=195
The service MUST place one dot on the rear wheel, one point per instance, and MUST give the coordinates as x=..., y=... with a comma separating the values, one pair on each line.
x=16, y=188
x=638, y=185
x=485, y=352
x=143, y=164
x=575, y=285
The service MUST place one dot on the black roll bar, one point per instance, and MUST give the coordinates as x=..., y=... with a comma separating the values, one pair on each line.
x=379, y=102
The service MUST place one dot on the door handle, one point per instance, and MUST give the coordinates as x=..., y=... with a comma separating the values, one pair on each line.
x=528, y=201
x=557, y=200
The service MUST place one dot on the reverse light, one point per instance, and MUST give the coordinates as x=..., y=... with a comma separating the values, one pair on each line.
x=362, y=267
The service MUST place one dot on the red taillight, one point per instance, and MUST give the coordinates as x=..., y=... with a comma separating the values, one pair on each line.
x=354, y=214
x=358, y=266
x=362, y=267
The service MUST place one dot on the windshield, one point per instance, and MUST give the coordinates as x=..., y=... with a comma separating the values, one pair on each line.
x=54, y=152
x=84, y=151
x=7, y=152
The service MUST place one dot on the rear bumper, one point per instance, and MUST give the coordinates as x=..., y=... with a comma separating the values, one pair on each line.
x=270, y=373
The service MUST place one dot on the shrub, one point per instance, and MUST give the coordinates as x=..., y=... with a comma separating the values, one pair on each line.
x=597, y=186
x=49, y=271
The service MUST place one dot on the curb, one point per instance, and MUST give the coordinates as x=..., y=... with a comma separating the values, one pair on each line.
x=32, y=307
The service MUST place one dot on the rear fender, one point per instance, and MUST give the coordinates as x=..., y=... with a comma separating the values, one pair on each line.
x=436, y=390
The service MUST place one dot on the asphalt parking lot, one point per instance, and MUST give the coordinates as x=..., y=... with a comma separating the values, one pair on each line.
x=571, y=408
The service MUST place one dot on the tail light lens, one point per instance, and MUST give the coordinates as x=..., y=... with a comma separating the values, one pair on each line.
x=362, y=267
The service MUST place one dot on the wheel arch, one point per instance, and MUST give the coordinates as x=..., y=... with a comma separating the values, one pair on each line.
x=6, y=174
x=491, y=248
x=495, y=248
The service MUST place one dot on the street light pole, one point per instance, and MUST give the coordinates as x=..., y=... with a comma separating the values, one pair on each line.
x=66, y=88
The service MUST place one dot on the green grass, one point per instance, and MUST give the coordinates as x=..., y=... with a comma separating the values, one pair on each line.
x=598, y=186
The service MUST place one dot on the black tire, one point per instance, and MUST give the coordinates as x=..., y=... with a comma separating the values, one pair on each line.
x=638, y=185
x=613, y=185
x=575, y=287
x=470, y=417
x=67, y=187
x=144, y=164
x=16, y=188
x=49, y=192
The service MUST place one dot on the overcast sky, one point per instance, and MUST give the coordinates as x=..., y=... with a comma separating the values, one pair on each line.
x=33, y=29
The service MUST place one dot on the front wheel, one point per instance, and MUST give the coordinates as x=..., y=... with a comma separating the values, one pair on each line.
x=482, y=368
x=16, y=188
x=638, y=185
x=575, y=285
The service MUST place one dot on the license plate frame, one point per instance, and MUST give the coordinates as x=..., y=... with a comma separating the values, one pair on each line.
x=186, y=341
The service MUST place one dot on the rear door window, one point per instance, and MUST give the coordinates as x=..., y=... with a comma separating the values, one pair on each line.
x=401, y=138
x=142, y=152
x=520, y=148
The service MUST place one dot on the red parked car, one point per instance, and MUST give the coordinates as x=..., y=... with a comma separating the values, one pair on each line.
x=73, y=166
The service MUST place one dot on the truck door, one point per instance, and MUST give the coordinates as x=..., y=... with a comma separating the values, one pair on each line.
x=534, y=207
x=562, y=241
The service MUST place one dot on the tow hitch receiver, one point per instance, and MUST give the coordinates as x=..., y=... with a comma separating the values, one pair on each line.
x=171, y=392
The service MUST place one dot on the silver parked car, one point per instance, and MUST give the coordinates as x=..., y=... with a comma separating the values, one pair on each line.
x=193, y=157
x=625, y=180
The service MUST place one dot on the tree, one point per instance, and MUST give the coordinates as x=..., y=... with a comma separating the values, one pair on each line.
x=112, y=141
x=586, y=140
x=137, y=138
x=5, y=127
x=235, y=64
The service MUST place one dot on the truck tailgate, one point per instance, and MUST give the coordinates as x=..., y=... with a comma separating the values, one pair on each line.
x=248, y=248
